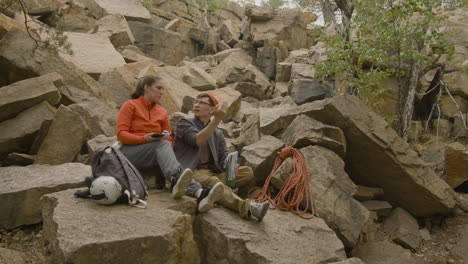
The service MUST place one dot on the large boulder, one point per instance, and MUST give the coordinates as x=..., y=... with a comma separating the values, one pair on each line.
x=133, y=54
x=22, y=187
x=403, y=229
x=19, y=133
x=116, y=28
x=10, y=256
x=93, y=53
x=250, y=131
x=456, y=83
x=377, y=156
x=231, y=69
x=229, y=32
x=19, y=63
x=307, y=90
x=305, y=131
x=64, y=140
x=7, y=24
x=19, y=96
x=281, y=238
x=198, y=78
x=451, y=109
x=164, y=45
x=261, y=155
x=73, y=95
x=160, y=233
x=38, y=7
x=385, y=253
x=456, y=160
x=287, y=25
x=133, y=10
x=95, y=122
x=332, y=192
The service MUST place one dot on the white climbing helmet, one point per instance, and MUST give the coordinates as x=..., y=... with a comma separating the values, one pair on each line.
x=105, y=190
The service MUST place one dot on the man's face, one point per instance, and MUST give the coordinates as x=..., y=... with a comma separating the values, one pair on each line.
x=202, y=108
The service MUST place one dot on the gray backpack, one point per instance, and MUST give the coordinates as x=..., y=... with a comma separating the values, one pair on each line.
x=110, y=161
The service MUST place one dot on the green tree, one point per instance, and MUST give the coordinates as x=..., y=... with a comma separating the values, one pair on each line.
x=50, y=37
x=385, y=38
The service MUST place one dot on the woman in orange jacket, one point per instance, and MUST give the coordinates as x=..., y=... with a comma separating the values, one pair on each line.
x=140, y=123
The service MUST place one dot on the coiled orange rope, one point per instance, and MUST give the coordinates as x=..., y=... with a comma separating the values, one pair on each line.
x=294, y=191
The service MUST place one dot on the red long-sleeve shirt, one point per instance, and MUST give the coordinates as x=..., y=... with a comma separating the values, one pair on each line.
x=138, y=117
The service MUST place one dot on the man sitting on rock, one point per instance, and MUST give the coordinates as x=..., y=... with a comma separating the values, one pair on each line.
x=200, y=146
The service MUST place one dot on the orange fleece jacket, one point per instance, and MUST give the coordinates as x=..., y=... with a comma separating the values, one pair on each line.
x=138, y=117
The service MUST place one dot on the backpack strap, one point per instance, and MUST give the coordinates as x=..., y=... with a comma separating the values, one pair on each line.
x=97, y=159
x=132, y=196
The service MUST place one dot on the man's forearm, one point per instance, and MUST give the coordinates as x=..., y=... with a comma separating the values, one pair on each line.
x=202, y=136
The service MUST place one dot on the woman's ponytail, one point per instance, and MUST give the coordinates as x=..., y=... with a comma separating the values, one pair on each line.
x=146, y=80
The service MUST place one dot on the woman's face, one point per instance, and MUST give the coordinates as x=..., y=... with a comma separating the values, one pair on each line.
x=154, y=92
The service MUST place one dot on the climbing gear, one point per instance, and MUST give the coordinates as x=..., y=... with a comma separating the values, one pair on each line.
x=258, y=210
x=110, y=161
x=105, y=190
x=295, y=192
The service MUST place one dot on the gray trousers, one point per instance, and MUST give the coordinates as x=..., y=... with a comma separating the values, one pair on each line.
x=151, y=155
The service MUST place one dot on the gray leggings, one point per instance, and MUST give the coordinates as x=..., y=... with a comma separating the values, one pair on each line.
x=151, y=155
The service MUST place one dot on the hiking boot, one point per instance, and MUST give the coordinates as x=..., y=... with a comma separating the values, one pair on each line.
x=83, y=194
x=88, y=181
x=209, y=196
x=258, y=210
x=179, y=184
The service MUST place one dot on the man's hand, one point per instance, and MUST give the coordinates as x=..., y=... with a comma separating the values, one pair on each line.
x=220, y=111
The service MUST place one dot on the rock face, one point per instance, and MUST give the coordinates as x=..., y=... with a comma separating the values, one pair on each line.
x=403, y=228
x=22, y=187
x=287, y=25
x=9, y=256
x=381, y=208
x=64, y=139
x=18, y=63
x=305, y=131
x=306, y=90
x=19, y=133
x=332, y=192
x=92, y=53
x=133, y=10
x=456, y=159
x=199, y=79
x=164, y=45
x=385, y=253
x=225, y=238
x=20, y=95
x=116, y=28
x=261, y=156
x=95, y=122
x=158, y=234
x=377, y=156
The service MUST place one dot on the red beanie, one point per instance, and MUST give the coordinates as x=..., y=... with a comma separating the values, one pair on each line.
x=213, y=99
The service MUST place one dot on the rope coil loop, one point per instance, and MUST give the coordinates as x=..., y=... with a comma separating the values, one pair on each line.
x=294, y=195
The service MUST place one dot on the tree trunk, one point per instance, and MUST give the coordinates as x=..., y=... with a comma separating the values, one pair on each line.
x=407, y=95
x=327, y=11
x=347, y=8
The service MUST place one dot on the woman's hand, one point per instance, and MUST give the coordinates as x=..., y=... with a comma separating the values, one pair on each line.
x=150, y=138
